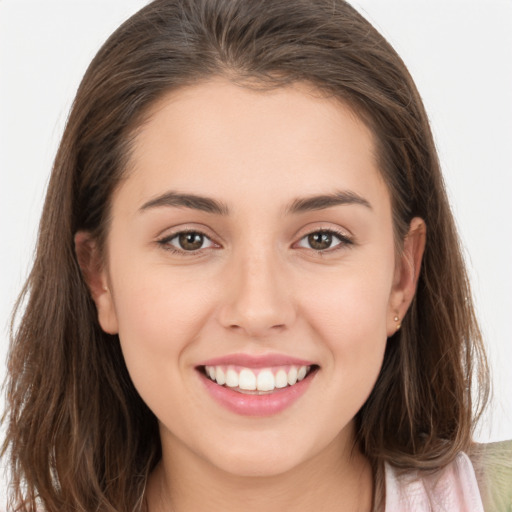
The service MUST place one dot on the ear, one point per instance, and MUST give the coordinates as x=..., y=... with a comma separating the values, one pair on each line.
x=95, y=275
x=407, y=272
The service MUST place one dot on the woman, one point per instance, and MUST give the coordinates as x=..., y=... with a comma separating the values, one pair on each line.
x=247, y=278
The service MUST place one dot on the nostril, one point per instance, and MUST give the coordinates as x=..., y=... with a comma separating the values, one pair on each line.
x=257, y=306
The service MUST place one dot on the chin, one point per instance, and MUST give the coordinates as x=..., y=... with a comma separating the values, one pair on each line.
x=265, y=456
x=258, y=466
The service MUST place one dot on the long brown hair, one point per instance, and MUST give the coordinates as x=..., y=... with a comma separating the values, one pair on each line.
x=79, y=436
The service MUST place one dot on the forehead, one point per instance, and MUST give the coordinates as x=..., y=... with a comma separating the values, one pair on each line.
x=223, y=139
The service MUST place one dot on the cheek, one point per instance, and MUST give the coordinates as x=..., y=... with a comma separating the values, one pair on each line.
x=349, y=304
x=159, y=315
x=156, y=305
x=159, y=321
x=349, y=317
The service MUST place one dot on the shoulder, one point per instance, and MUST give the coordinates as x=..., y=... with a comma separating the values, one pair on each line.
x=477, y=482
x=451, y=488
x=492, y=463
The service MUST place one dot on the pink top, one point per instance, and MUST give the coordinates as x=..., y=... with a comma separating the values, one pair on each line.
x=454, y=488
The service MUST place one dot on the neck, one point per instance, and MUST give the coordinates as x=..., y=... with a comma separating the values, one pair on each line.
x=339, y=478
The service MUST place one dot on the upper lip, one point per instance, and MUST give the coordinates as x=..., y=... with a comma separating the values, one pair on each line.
x=256, y=361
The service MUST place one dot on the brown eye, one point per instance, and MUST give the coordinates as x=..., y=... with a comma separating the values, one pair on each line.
x=324, y=240
x=187, y=241
x=320, y=241
x=190, y=241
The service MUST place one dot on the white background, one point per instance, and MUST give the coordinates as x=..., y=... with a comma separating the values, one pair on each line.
x=458, y=51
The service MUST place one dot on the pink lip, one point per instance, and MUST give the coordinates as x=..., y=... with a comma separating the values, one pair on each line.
x=252, y=361
x=257, y=405
x=253, y=404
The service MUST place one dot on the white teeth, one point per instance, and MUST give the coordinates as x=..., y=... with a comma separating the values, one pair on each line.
x=264, y=379
x=231, y=378
x=281, y=379
x=247, y=380
x=292, y=376
x=220, y=376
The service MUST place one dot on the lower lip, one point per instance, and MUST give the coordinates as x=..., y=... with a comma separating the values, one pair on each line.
x=257, y=405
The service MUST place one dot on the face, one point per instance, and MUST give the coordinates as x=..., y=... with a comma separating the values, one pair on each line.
x=251, y=274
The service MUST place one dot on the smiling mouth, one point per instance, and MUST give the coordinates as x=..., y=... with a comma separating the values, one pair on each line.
x=257, y=381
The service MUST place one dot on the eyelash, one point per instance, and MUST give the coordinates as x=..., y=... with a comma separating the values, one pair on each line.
x=344, y=241
x=165, y=242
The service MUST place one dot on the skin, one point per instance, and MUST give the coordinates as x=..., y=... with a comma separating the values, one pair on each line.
x=256, y=286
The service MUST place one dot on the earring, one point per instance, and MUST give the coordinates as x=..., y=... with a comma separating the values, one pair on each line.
x=398, y=324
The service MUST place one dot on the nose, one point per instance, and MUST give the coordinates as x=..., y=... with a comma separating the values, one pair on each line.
x=258, y=299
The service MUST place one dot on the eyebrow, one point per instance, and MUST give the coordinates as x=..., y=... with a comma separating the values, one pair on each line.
x=209, y=205
x=321, y=202
x=191, y=201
